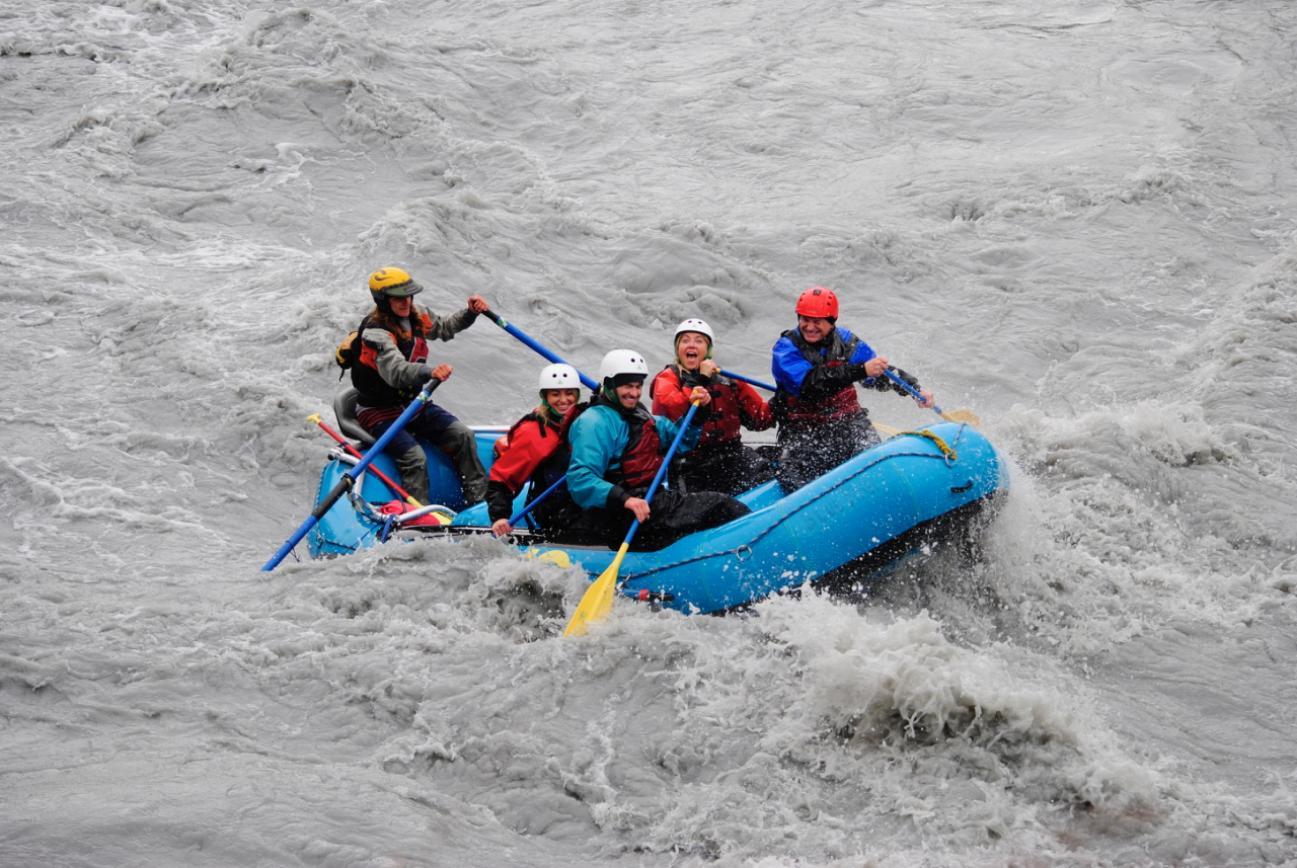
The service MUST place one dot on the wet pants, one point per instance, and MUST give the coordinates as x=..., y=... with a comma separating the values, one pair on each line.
x=674, y=514
x=730, y=468
x=809, y=450
x=435, y=424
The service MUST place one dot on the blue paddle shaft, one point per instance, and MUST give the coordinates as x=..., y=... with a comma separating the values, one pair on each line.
x=662, y=471
x=538, y=347
x=518, y=516
x=748, y=380
x=914, y=393
x=349, y=478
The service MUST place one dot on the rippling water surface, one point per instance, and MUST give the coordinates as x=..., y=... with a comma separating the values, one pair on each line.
x=1074, y=218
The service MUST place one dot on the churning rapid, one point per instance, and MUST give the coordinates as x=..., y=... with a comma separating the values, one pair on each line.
x=1075, y=218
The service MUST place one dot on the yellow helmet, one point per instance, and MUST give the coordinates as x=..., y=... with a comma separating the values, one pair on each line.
x=393, y=283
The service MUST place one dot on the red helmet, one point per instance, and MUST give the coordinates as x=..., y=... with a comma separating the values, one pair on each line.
x=819, y=302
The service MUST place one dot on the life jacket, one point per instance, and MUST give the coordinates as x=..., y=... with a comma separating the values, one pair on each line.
x=723, y=422
x=839, y=404
x=553, y=465
x=640, y=460
x=374, y=390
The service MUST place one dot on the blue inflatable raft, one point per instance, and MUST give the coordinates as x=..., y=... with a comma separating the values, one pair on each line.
x=857, y=518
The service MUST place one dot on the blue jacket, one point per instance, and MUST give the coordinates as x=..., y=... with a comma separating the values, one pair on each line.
x=790, y=367
x=599, y=437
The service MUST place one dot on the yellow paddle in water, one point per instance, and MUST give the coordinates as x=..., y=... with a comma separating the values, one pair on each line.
x=596, y=602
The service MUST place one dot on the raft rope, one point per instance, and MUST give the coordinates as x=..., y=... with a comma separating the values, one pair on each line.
x=946, y=449
x=382, y=524
x=948, y=455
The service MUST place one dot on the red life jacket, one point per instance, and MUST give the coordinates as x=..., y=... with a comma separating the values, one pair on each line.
x=542, y=467
x=374, y=390
x=723, y=422
x=640, y=460
x=836, y=405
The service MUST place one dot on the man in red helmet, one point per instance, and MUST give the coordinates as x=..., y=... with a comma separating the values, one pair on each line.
x=816, y=368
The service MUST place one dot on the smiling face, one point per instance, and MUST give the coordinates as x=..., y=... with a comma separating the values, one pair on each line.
x=561, y=400
x=691, y=349
x=813, y=328
x=401, y=306
x=628, y=395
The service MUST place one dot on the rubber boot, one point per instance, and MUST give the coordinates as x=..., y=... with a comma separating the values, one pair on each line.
x=413, y=465
x=459, y=442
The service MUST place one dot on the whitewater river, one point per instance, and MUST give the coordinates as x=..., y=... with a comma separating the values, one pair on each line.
x=1077, y=218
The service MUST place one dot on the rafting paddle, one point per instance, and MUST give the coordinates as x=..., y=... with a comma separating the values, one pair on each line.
x=963, y=417
x=748, y=380
x=596, y=603
x=535, y=501
x=353, y=451
x=349, y=478
x=536, y=345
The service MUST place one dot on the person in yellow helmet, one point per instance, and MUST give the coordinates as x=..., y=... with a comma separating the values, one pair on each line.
x=391, y=368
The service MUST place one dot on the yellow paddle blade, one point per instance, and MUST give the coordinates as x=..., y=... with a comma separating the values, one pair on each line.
x=557, y=557
x=964, y=417
x=886, y=430
x=596, y=602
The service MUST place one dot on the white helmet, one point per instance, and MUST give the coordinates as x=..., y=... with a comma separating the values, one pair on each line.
x=622, y=362
x=559, y=376
x=696, y=325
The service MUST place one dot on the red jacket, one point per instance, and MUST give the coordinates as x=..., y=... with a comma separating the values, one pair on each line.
x=529, y=442
x=533, y=451
x=734, y=405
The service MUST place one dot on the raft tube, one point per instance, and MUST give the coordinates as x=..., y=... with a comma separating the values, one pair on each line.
x=854, y=520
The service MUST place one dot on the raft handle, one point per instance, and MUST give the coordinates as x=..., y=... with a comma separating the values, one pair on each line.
x=655, y=599
x=960, y=489
x=644, y=595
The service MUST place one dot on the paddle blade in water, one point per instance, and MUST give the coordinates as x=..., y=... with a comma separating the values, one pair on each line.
x=596, y=602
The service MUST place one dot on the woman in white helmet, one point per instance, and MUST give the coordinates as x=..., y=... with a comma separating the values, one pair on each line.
x=534, y=451
x=720, y=462
x=617, y=448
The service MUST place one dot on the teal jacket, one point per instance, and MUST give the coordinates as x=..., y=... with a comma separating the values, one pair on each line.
x=599, y=436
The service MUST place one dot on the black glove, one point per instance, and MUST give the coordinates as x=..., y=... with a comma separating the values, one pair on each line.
x=886, y=382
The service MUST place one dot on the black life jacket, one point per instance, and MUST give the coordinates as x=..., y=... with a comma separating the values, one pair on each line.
x=374, y=390
x=640, y=460
x=838, y=404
